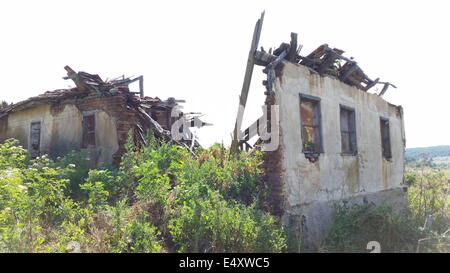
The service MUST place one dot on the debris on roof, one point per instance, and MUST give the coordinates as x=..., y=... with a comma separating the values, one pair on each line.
x=142, y=106
x=324, y=60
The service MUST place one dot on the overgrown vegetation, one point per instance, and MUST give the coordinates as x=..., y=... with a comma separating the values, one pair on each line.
x=354, y=227
x=425, y=228
x=160, y=199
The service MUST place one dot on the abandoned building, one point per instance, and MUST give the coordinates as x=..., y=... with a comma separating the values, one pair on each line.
x=95, y=116
x=338, y=143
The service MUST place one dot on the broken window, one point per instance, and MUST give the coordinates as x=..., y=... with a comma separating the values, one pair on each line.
x=348, y=130
x=88, y=131
x=35, y=139
x=311, y=124
x=385, y=138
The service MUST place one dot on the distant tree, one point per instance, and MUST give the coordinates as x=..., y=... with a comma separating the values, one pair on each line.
x=426, y=159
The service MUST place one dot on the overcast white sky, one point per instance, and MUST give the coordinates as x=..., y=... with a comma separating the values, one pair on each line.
x=197, y=50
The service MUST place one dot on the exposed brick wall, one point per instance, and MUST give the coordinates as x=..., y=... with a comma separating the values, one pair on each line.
x=272, y=177
x=163, y=118
x=116, y=107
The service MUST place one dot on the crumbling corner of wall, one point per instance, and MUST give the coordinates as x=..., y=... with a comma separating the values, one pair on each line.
x=272, y=179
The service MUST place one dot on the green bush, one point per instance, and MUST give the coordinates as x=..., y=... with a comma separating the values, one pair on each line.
x=354, y=227
x=12, y=155
x=428, y=201
x=95, y=188
x=143, y=236
x=76, y=165
x=161, y=198
x=34, y=206
x=235, y=178
x=131, y=231
x=428, y=195
x=211, y=224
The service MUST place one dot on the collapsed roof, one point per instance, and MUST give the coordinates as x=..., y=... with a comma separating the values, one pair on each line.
x=325, y=61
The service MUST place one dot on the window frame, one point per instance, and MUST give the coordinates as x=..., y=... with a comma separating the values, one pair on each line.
x=387, y=156
x=351, y=131
x=35, y=152
x=85, y=134
x=316, y=101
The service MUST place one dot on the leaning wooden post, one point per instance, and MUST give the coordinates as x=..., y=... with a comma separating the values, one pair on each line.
x=247, y=80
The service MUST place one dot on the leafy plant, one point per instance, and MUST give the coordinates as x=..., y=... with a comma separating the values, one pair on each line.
x=211, y=224
x=12, y=155
x=76, y=169
x=160, y=198
x=95, y=187
x=354, y=227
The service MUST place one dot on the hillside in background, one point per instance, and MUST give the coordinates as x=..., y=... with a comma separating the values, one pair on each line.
x=434, y=151
x=437, y=156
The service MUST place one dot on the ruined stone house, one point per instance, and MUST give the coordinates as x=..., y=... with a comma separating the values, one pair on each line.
x=96, y=116
x=338, y=142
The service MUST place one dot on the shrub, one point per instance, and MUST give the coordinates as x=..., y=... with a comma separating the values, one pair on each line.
x=152, y=185
x=12, y=155
x=211, y=224
x=354, y=227
x=13, y=195
x=428, y=196
x=132, y=232
x=76, y=169
x=428, y=201
x=235, y=178
x=95, y=188
x=35, y=207
x=161, y=198
x=143, y=236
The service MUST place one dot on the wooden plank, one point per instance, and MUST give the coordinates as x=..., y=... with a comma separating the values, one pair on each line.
x=371, y=84
x=292, y=55
x=329, y=59
x=152, y=122
x=385, y=88
x=247, y=78
x=352, y=67
x=318, y=52
x=251, y=61
x=263, y=58
x=71, y=74
x=141, y=86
